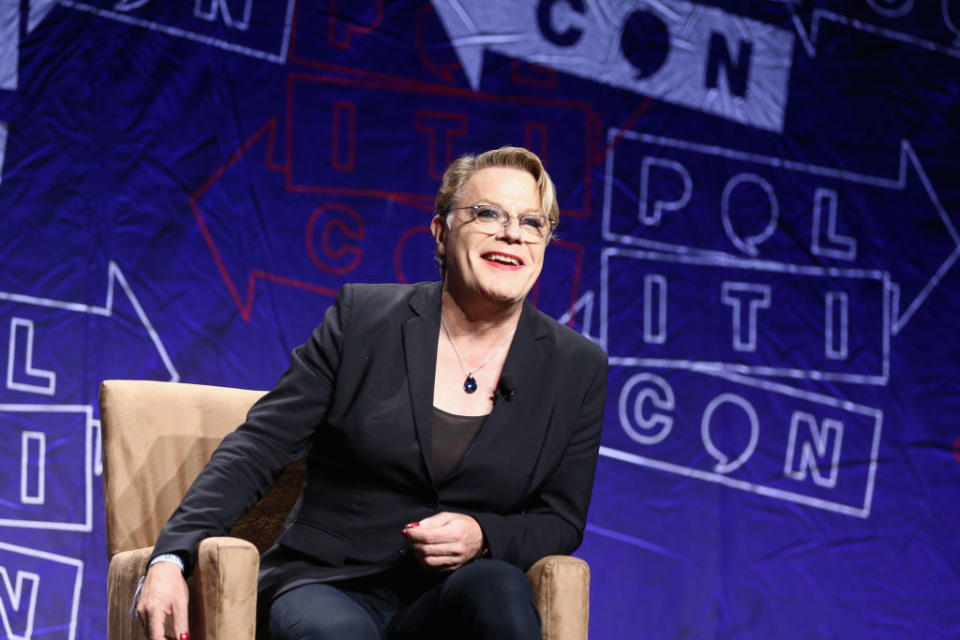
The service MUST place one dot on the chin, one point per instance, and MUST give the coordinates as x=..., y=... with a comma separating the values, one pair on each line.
x=504, y=295
x=505, y=288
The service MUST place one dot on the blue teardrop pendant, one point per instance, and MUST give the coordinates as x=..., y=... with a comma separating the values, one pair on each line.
x=470, y=384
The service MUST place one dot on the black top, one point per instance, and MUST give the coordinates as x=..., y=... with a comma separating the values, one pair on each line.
x=451, y=435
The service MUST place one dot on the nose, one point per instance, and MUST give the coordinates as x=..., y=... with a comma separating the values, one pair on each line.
x=511, y=229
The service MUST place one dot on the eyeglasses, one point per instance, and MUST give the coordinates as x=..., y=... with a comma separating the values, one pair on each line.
x=534, y=227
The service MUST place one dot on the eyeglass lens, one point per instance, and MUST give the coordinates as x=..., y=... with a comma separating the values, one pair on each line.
x=532, y=226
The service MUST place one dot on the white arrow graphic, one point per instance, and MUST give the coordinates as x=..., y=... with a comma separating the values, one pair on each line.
x=10, y=37
x=809, y=37
x=583, y=304
x=115, y=276
x=910, y=174
x=695, y=56
x=9, y=43
x=38, y=11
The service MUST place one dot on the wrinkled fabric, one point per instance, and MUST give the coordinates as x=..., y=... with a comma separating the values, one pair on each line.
x=758, y=223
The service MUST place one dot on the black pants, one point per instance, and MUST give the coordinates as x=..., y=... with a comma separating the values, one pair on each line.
x=486, y=599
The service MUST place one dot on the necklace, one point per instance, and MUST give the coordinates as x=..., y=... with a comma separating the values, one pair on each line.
x=470, y=383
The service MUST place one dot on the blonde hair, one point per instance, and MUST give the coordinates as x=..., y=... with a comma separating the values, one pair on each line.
x=462, y=169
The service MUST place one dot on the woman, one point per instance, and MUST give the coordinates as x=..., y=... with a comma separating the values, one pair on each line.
x=451, y=432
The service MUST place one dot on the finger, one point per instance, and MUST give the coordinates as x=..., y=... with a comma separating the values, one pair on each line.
x=437, y=520
x=441, y=530
x=181, y=624
x=414, y=534
x=155, y=625
x=143, y=622
x=442, y=563
x=433, y=536
x=437, y=559
x=448, y=549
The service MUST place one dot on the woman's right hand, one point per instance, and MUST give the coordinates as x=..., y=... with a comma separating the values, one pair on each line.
x=164, y=593
x=445, y=541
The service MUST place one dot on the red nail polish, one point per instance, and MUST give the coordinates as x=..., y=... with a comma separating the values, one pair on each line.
x=411, y=525
x=185, y=635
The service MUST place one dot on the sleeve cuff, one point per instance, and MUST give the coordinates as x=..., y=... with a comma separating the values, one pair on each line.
x=168, y=557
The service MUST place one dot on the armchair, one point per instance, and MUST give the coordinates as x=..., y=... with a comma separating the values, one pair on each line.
x=157, y=436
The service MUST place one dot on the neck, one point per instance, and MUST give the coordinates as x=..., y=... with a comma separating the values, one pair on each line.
x=483, y=319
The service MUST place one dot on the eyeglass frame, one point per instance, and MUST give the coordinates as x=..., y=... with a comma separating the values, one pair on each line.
x=505, y=218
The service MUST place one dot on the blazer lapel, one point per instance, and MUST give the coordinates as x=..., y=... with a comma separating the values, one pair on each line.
x=420, y=333
x=525, y=365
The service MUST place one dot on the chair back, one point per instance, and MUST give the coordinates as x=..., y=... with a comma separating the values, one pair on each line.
x=157, y=437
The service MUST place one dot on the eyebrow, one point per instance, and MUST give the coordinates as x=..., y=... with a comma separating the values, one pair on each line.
x=500, y=206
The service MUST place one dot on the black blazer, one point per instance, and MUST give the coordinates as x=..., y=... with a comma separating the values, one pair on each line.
x=358, y=398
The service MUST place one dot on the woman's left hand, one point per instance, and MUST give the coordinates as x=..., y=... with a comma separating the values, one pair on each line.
x=445, y=541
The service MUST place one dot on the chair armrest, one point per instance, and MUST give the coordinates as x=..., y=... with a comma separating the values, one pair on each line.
x=122, y=578
x=223, y=591
x=561, y=586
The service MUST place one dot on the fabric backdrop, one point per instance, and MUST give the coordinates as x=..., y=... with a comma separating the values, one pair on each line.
x=759, y=209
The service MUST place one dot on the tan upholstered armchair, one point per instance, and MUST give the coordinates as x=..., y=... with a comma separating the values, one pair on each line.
x=157, y=436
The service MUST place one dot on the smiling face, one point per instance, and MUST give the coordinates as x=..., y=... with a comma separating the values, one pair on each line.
x=499, y=267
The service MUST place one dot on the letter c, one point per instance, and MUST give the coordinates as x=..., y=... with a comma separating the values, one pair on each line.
x=329, y=217
x=648, y=420
x=566, y=38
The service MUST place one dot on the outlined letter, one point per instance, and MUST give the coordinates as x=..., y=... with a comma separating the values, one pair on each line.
x=21, y=350
x=744, y=316
x=826, y=241
x=347, y=221
x=33, y=458
x=952, y=23
x=748, y=244
x=724, y=463
x=652, y=423
x=892, y=8
x=651, y=212
x=236, y=13
x=343, y=135
x=18, y=603
x=536, y=136
x=837, y=323
x=815, y=449
x=437, y=124
x=654, y=309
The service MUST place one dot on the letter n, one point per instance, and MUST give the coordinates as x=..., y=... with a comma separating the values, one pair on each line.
x=814, y=447
x=737, y=71
x=18, y=603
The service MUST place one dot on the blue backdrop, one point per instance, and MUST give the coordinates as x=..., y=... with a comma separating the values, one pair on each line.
x=759, y=208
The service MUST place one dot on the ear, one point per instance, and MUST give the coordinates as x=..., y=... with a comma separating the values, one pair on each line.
x=438, y=227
